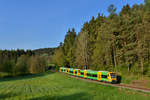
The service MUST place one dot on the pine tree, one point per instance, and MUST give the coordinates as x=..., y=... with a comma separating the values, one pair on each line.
x=68, y=47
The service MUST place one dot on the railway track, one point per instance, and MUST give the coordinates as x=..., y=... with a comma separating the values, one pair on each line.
x=147, y=90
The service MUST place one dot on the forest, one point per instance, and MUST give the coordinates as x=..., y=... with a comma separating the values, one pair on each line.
x=24, y=62
x=119, y=42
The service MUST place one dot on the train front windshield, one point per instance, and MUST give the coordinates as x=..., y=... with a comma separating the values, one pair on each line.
x=113, y=75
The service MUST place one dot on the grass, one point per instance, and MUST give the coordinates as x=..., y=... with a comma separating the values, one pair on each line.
x=57, y=86
x=138, y=80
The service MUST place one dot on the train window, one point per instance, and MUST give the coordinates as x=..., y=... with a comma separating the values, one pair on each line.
x=82, y=73
x=78, y=71
x=75, y=72
x=94, y=75
x=113, y=75
x=88, y=74
x=71, y=71
x=104, y=76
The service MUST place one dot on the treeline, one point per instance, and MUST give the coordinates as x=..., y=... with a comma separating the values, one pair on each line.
x=44, y=51
x=116, y=42
x=20, y=62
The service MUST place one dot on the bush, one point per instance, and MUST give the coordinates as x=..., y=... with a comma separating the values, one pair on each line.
x=22, y=65
x=147, y=70
x=7, y=66
x=37, y=64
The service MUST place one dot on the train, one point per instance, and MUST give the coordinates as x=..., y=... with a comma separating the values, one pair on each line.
x=104, y=76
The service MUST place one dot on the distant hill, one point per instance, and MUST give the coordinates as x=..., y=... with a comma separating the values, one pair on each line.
x=44, y=51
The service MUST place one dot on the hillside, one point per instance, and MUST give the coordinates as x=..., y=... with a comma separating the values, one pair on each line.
x=44, y=51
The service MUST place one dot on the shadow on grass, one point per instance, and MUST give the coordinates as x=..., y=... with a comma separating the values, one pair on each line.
x=7, y=95
x=23, y=77
x=77, y=96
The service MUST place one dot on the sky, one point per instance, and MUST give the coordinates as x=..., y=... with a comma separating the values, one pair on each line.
x=33, y=24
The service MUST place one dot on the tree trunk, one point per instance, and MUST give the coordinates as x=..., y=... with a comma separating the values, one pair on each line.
x=129, y=67
x=114, y=57
x=142, y=65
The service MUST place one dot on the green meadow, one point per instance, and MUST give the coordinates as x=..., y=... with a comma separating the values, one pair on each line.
x=58, y=86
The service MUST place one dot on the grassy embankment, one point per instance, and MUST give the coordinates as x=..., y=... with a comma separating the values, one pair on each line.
x=57, y=86
x=138, y=80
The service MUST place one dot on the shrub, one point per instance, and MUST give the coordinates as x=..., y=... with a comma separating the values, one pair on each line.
x=22, y=65
x=37, y=64
x=7, y=66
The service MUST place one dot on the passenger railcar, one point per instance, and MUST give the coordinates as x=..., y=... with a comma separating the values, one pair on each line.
x=105, y=76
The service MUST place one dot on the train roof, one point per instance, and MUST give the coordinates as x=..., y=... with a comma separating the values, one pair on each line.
x=89, y=70
x=104, y=71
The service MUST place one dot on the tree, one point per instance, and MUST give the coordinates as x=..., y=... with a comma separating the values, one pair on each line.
x=119, y=41
x=22, y=65
x=111, y=9
x=127, y=37
x=81, y=51
x=142, y=35
x=147, y=4
x=99, y=53
x=37, y=64
x=68, y=46
x=58, y=57
x=113, y=32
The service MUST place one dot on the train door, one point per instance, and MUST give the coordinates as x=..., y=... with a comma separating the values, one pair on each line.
x=78, y=72
x=85, y=74
x=68, y=70
x=99, y=76
x=109, y=77
x=73, y=71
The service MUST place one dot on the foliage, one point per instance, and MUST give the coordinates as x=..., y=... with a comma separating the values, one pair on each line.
x=68, y=47
x=37, y=64
x=19, y=62
x=107, y=43
x=58, y=57
x=22, y=65
x=45, y=51
x=81, y=51
x=7, y=66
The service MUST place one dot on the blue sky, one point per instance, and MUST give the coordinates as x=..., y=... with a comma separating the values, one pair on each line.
x=33, y=24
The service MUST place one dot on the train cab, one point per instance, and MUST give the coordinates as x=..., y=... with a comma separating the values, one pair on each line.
x=112, y=76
